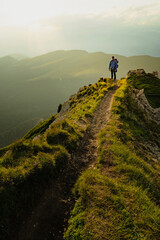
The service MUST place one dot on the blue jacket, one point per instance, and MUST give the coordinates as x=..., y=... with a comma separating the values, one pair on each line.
x=113, y=64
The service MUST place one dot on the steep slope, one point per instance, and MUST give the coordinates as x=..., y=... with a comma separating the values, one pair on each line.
x=50, y=217
x=120, y=197
x=108, y=152
x=41, y=166
x=31, y=89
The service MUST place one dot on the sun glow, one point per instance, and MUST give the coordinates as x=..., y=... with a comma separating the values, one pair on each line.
x=35, y=27
x=19, y=12
x=23, y=12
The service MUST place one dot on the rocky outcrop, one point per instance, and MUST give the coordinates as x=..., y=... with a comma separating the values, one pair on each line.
x=143, y=104
x=155, y=73
x=138, y=72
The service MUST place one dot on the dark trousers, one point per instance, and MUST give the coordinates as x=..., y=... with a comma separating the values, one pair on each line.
x=113, y=73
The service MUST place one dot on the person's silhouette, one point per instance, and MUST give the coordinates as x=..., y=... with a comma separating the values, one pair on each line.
x=113, y=68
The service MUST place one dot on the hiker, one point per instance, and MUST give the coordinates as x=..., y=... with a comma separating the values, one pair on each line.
x=117, y=62
x=113, y=67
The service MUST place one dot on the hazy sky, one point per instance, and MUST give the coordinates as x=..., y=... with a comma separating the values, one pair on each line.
x=125, y=27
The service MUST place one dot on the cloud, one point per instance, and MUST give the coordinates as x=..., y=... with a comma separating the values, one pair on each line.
x=125, y=31
x=147, y=14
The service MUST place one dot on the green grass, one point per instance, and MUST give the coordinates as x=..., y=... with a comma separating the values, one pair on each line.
x=120, y=199
x=151, y=86
x=40, y=128
x=28, y=165
x=87, y=100
x=63, y=133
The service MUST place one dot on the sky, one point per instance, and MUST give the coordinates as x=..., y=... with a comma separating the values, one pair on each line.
x=34, y=27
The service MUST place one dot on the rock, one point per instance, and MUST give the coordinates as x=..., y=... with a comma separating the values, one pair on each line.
x=65, y=107
x=59, y=108
x=36, y=138
x=138, y=72
x=7, y=154
x=140, y=92
x=143, y=104
x=155, y=73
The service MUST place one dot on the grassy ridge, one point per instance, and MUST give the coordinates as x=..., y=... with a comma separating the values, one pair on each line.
x=40, y=128
x=120, y=199
x=151, y=86
x=35, y=86
x=28, y=165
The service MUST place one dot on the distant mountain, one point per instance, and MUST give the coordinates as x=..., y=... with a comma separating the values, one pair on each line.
x=18, y=56
x=32, y=88
x=6, y=62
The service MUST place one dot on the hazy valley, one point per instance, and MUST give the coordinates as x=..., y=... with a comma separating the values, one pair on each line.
x=32, y=88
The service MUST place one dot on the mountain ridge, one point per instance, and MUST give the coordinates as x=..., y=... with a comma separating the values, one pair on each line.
x=115, y=174
x=31, y=89
x=66, y=133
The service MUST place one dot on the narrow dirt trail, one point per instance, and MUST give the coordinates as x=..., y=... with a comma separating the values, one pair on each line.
x=50, y=218
x=87, y=152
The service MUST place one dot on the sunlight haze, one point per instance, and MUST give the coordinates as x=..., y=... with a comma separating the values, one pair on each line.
x=22, y=12
x=36, y=27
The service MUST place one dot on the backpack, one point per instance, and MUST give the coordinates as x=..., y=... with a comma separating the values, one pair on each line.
x=117, y=62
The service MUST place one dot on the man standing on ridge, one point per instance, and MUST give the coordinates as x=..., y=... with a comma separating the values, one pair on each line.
x=113, y=68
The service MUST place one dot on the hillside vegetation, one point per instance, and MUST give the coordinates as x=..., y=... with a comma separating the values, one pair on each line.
x=31, y=89
x=117, y=196
x=29, y=165
x=120, y=197
x=151, y=86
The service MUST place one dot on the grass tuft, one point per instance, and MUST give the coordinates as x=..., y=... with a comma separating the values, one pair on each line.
x=120, y=198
